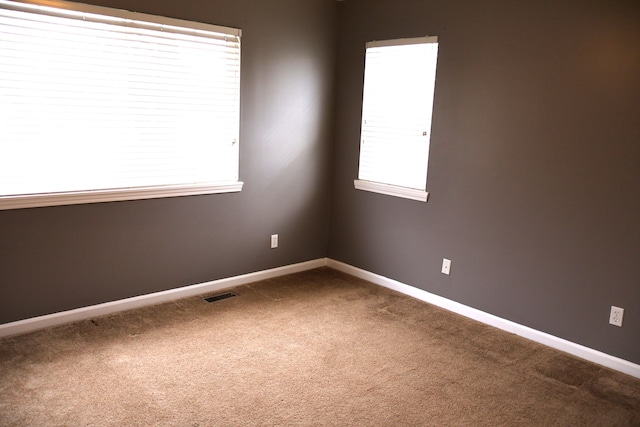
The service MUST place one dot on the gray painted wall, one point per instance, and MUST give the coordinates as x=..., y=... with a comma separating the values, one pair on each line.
x=533, y=173
x=534, y=169
x=60, y=258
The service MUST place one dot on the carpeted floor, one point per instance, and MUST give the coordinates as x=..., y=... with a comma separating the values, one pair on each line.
x=318, y=348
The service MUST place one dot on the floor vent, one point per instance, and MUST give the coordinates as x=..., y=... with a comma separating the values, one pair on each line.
x=220, y=296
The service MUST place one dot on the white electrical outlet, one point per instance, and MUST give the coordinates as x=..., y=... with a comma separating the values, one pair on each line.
x=615, y=318
x=274, y=241
x=446, y=266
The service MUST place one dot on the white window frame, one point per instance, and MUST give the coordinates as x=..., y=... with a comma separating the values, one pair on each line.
x=377, y=147
x=35, y=199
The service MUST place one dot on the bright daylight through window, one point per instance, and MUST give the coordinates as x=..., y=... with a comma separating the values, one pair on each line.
x=100, y=104
x=397, y=105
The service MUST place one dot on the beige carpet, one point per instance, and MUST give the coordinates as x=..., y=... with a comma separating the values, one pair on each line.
x=318, y=348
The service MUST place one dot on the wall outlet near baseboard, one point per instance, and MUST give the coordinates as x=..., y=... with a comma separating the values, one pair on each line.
x=446, y=266
x=274, y=241
x=615, y=318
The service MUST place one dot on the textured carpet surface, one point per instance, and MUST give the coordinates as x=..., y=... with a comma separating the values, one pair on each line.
x=315, y=348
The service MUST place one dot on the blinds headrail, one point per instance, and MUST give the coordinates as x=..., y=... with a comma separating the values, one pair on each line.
x=101, y=14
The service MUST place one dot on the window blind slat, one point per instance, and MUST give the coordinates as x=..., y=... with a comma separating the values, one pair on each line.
x=103, y=103
x=396, y=112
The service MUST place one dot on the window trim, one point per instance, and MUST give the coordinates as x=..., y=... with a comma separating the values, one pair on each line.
x=114, y=195
x=117, y=194
x=391, y=189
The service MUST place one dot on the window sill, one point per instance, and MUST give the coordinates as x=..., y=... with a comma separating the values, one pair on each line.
x=392, y=190
x=114, y=195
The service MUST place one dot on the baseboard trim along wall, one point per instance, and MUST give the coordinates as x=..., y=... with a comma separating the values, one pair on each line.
x=55, y=319
x=534, y=335
x=40, y=322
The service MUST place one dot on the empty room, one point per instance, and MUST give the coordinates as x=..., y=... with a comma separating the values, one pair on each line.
x=319, y=212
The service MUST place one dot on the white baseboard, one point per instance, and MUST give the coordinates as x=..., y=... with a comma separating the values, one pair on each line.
x=40, y=322
x=534, y=335
x=55, y=319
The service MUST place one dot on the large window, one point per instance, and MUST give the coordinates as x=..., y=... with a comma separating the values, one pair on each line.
x=397, y=105
x=99, y=104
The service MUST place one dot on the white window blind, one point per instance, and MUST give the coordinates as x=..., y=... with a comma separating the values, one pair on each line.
x=102, y=104
x=397, y=106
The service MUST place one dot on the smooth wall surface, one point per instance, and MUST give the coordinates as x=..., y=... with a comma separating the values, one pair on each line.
x=534, y=172
x=534, y=169
x=60, y=258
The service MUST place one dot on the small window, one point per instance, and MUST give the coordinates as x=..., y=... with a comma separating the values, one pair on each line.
x=397, y=105
x=100, y=104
